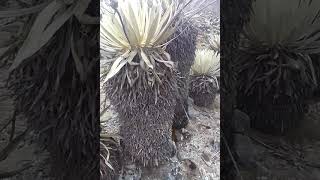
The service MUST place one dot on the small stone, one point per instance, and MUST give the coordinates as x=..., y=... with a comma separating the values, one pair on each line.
x=206, y=157
x=183, y=130
x=190, y=164
x=179, y=136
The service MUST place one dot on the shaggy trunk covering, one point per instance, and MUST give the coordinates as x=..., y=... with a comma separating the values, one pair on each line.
x=182, y=51
x=146, y=117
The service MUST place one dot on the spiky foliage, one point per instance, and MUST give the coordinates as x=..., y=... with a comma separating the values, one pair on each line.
x=13, y=22
x=204, y=84
x=137, y=29
x=214, y=42
x=182, y=51
x=276, y=60
x=142, y=81
x=55, y=83
x=207, y=62
x=236, y=14
x=208, y=24
x=110, y=157
x=203, y=90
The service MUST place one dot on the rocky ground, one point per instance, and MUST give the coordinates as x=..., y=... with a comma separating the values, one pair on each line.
x=294, y=156
x=198, y=148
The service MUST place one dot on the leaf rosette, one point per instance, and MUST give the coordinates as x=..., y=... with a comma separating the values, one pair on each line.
x=135, y=33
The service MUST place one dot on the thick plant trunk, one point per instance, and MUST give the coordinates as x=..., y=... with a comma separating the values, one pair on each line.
x=182, y=51
x=146, y=117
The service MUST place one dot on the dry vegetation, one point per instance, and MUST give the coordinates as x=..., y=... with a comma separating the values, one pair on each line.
x=207, y=25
